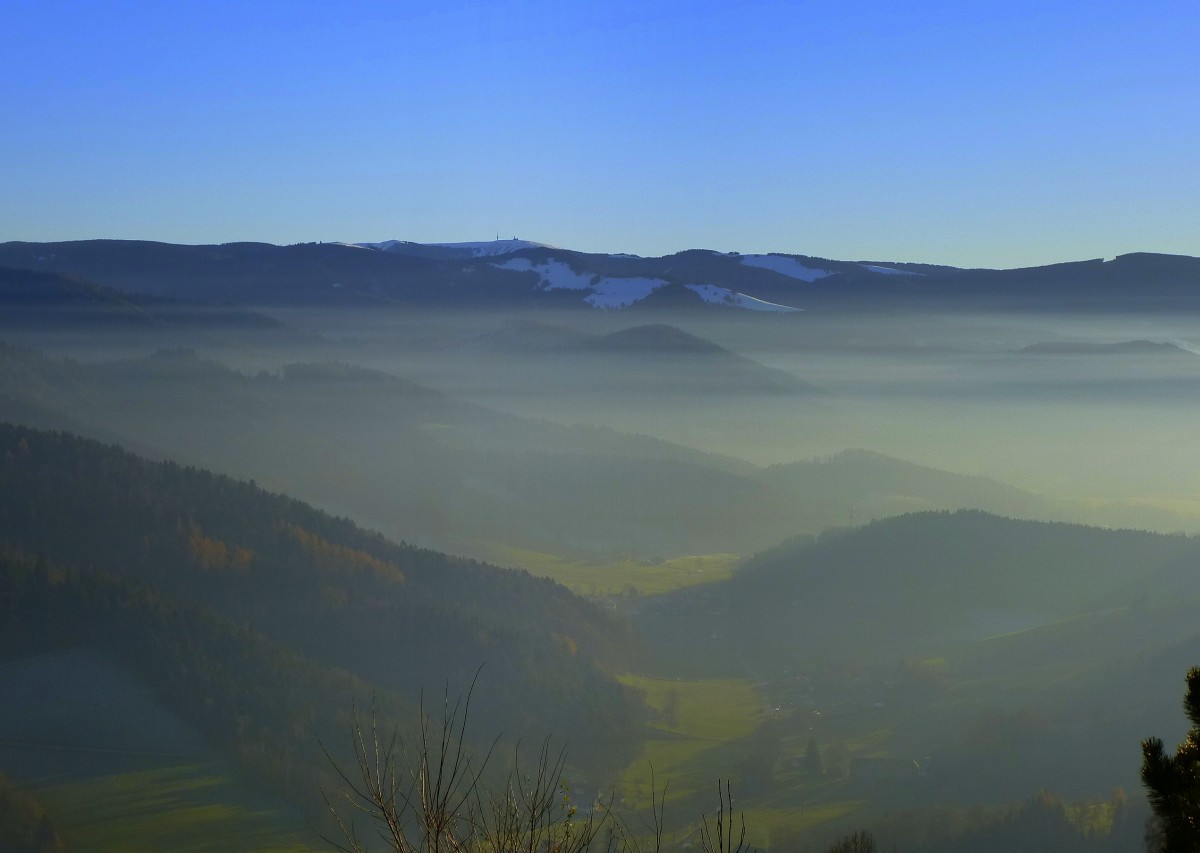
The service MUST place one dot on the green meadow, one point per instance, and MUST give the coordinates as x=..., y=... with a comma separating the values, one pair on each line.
x=120, y=772
x=689, y=743
x=620, y=575
x=701, y=733
x=185, y=807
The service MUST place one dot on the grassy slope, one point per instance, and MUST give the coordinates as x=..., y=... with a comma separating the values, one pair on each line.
x=179, y=807
x=118, y=771
x=701, y=733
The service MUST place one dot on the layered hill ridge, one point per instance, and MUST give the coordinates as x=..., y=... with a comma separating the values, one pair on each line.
x=522, y=274
x=37, y=300
x=656, y=338
x=653, y=357
x=701, y=365
x=442, y=472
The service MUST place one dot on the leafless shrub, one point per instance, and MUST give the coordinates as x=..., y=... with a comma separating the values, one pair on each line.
x=717, y=837
x=429, y=796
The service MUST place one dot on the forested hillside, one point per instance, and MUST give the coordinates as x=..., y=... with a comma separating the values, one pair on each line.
x=909, y=583
x=37, y=301
x=264, y=705
x=954, y=641
x=398, y=617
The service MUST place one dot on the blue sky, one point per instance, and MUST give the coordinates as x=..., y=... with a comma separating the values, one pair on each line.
x=969, y=133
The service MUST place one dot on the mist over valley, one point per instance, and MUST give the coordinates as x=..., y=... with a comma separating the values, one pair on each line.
x=845, y=555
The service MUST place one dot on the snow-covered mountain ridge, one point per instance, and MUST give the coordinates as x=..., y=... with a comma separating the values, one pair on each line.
x=519, y=274
x=620, y=280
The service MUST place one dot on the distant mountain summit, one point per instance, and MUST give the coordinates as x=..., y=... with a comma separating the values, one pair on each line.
x=657, y=338
x=482, y=249
x=655, y=358
x=667, y=360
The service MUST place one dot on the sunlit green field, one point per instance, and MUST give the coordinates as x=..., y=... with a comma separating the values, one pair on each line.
x=175, y=807
x=699, y=736
x=689, y=745
x=621, y=575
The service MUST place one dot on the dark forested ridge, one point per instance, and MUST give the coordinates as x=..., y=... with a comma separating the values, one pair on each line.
x=40, y=300
x=396, y=616
x=331, y=274
x=328, y=274
x=61, y=300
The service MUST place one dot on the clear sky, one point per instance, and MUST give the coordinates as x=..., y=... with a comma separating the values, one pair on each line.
x=970, y=133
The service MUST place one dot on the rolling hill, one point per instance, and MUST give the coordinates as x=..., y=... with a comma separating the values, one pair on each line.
x=910, y=585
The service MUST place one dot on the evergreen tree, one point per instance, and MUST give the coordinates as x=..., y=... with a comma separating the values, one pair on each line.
x=1173, y=782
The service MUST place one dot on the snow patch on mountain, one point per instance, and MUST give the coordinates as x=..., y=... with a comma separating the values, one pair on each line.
x=605, y=292
x=554, y=275
x=886, y=270
x=785, y=265
x=481, y=249
x=384, y=246
x=622, y=292
x=723, y=296
x=492, y=248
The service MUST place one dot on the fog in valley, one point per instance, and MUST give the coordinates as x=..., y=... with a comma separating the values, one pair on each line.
x=895, y=571
x=1090, y=412
x=1056, y=404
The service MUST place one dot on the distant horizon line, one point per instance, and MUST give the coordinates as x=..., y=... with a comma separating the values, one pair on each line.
x=373, y=244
